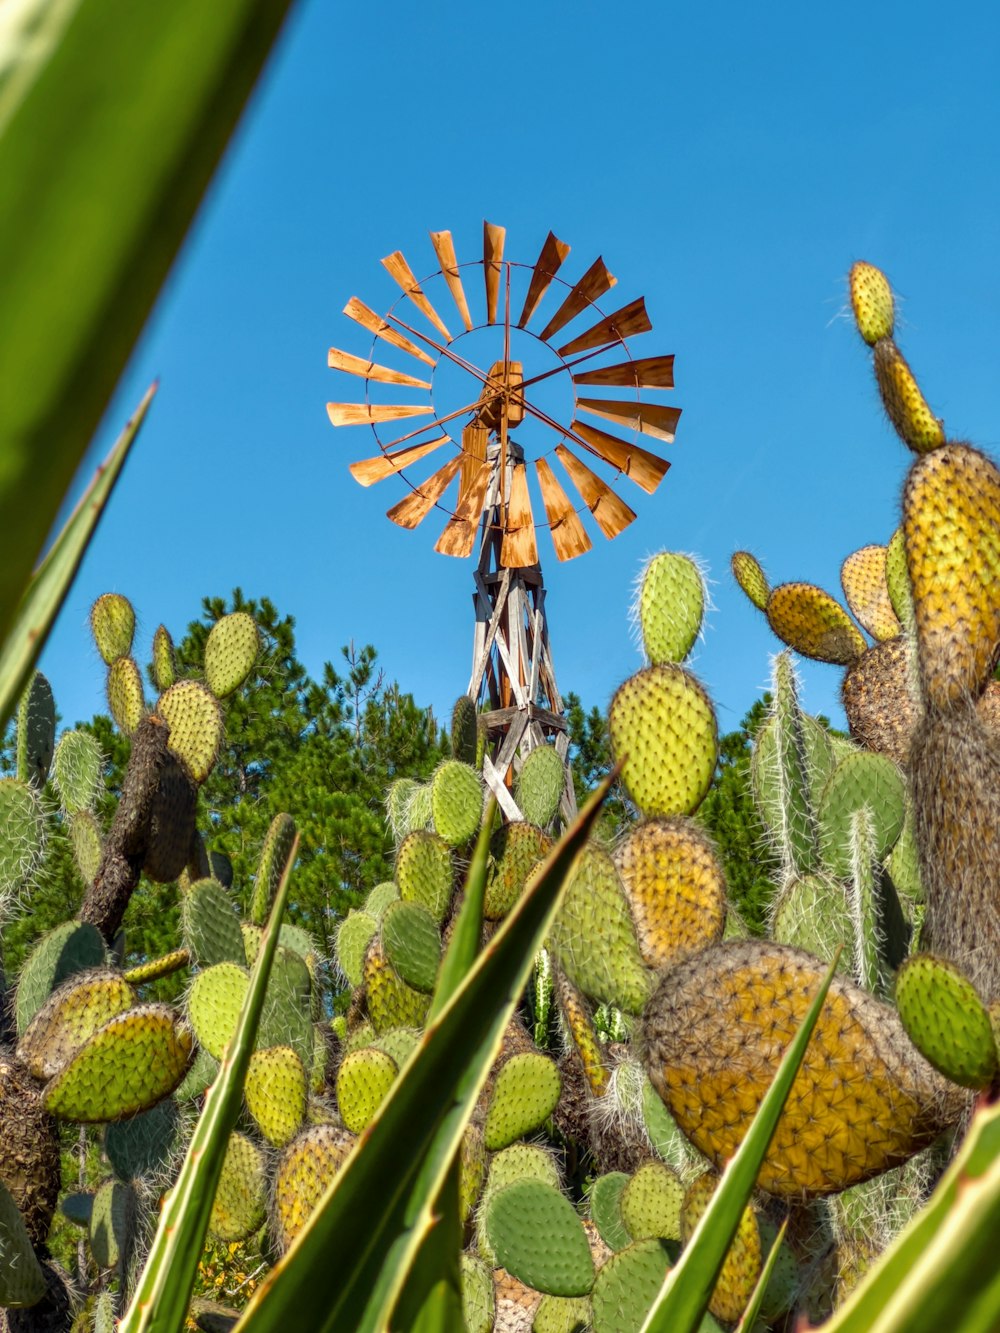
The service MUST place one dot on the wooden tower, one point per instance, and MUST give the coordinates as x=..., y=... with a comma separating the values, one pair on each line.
x=503, y=443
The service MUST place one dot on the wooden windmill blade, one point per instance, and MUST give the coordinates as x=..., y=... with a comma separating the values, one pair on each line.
x=371, y=370
x=650, y=418
x=400, y=271
x=369, y=470
x=361, y=314
x=475, y=438
x=624, y=323
x=646, y=469
x=444, y=248
x=519, y=548
x=417, y=505
x=611, y=513
x=366, y=414
x=459, y=534
x=569, y=536
x=493, y=243
x=648, y=372
x=594, y=283
x=547, y=265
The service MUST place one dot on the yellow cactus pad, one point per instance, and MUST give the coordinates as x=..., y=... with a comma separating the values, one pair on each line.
x=391, y=1002
x=864, y=1100
x=905, y=406
x=576, y=1016
x=125, y=697
x=195, y=720
x=663, y=725
x=675, y=889
x=306, y=1168
x=240, y=1202
x=276, y=1093
x=871, y=301
x=69, y=1017
x=750, y=576
x=862, y=576
x=814, y=624
x=878, y=699
x=742, y=1264
x=951, y=526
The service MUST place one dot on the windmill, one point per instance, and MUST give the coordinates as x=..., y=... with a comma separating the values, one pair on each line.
x=479, y=386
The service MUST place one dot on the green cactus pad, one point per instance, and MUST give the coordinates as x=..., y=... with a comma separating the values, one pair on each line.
x=230, y=652
x=478, y=1302
x=742, y=1264
x=785, y=1281
x=397, y=807
x=156, y=968
x=627, y=1285
x=606, y=1209
x=380, y=897
x=540, y=785
x=662, y=725
x=78, y=1208
x=539, y=1239
x=905, y=405
x=77, y=768
x=195, y=720
x=210, y=924
x=199, y=1078
x=668, y=607
x=133, y=1062
x=214, y=1003
x=112, y=1222
x=70, y=1017
x=675, y=888
x=363, y=1082
x=287, y=1016
x=473, y=1161
x=524, y=1096
x=420, y=812
x=164, y=664
x=946, y=1020
x=306, y=1168
x=71, y=948
x=811, y=912
x=400, y=1043
x=240, y=1203
x=594, y=936
x=651, y=1203
x=22, y=834
x=516, y=849
x=862, y=577
x=463, y=730
x=424, y=872
x=814, y=624
x=871, y=302
x=903, y=863
x=521, y=1161
x=276, y=1092
x=320, y=1060
x=456, y=802
x=144, y=1144
x=361, y=1035
x=273, y=855
x=36, y=731
x=85, y=838
x=22, y=1282
x=354, y=934
x=860, y=780
x=897, y=579
x=664, y=1134
x=412, y=943
x=750, y=577
x=126, y=700
x=252, y=936
x=562, y=1314
x=112, y=623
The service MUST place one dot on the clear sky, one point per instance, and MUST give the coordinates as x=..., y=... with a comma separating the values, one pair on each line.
x=729, y=161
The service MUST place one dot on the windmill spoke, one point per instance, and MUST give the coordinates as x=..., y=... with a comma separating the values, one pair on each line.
x=444, y=248
x=400, y=271
x=649, y=372
x=624, y=323
x=611, y=513
x=360, y=313
x=569, y=536
x=547, y=264
x=645, y=469
x=493, y=241
x=650, y=418
x=430, y=425
x=416, y=506
x=370, y=370
x=370, y=470
x=519, y=547
x=594, y=283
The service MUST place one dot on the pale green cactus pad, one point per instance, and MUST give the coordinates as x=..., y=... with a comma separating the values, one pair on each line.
x=380, y=897
x=69, y=1017
x=478, y=1302
x=562, y=1314
x=521, y=1161
x=126, y=701
x=240, y=1203
x=524, y=1096
x=540, y=784
x=22, y=834
x=276, y=1092
x=946, y=1020
x=112, y=623
x=273, y=856
x=456, y=802
x=164, y=664
x=214, y=1003
x=211, y=925
x=424, y=871
x=354, y=934
x=85, y=836
x=749, y=574
x=363, y=1082
x=860, y=780
x=195, y=720
x=230, y=653
x=77, y=767
x=651, y=1203
x=669, y=605
x=36, y=731
x=538, y=1237
x=627, y=1285
x=606, y=1209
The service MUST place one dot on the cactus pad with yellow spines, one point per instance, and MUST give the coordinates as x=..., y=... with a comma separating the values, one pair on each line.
x=240, y=1203
x=230, y=652
x=363, y=1082
x=675, y=889
x=863, y=1101
x=424, y=871
x=947, y=1020
x=862, y=576
x=112, y=623
x=70, y=1017
x=195, y=720
x=651, y=1203
x=951, y=526
x=742, y=1264
x=164, y=664
x=814, y=624
x=663, y=726
x=905, y=406
x=871, y=302
x=749, y=574
x=669, y=605
x=524, y=1096
x=391, y=1002
x=126, y=701
x=276, y=1092
x=214, y=1003
x=305, y=1170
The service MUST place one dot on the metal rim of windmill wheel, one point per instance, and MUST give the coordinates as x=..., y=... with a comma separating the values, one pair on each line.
x=488, y=460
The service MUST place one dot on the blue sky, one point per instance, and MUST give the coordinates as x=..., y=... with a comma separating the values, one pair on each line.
x=728, y=161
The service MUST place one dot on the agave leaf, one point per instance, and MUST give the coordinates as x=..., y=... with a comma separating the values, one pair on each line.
x=113, y=117
x=941, y=1270
x=54, y=577
x=684, y=1296
x=373, y=1217
x=160, y=1299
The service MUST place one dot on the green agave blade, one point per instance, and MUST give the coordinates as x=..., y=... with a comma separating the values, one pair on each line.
x=160, y=1300
x=941, y=1271
x=51, y=582
x=363, y=1217
x=111, y=125
x=684, y=1297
